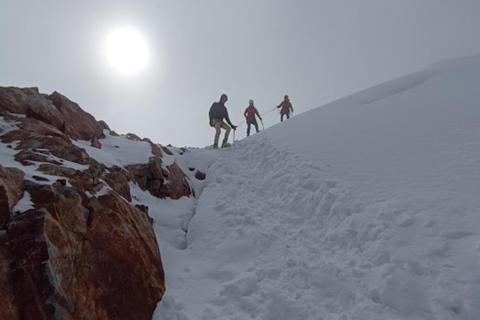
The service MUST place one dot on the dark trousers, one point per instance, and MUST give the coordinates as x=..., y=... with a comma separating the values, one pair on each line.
x=250, y=122
x=286, y=113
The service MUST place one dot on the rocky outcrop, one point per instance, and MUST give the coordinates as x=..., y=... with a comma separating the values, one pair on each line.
x=78, y=124
x=29, y=102
x=161, y=183
x=118, y=181
x=71, y=257
x=11, y=190
x=82, y=251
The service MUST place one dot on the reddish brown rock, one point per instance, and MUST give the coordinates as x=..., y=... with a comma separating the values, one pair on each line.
x=154, y=178
x=89, y=180
x=30, y=102
x=133, y=246
x=133, y=137
x=167, y=151
x=96, y=143
x=78, y=123
x=85, y=181
x=57, y=145
x=156, y=151
x=41, y=128
x=58, y=170
x=118, y=181
x=103, y=125
x=76, y=256
x=11, y=190
x=79, y=258
x=27, y=157
x=178, y=185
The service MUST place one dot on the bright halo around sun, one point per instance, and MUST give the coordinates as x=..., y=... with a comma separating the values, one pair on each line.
x=127, y=50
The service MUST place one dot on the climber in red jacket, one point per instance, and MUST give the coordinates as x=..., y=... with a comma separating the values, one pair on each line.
x=249, y=114
x=286, y=106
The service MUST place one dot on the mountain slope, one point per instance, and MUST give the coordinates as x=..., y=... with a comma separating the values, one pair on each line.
x=366, y=208
x=74, y=243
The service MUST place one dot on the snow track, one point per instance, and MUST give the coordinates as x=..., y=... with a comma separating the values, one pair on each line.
x=261, y=245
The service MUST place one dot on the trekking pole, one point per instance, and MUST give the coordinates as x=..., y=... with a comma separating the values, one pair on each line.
x=233, y=142
x=263, y=127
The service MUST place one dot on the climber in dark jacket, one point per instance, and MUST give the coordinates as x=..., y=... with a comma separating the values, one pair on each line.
x=217, y=113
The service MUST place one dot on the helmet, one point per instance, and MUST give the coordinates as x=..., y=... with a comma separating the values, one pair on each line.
x=224, y=96
x=251, y=101
x=286, y=96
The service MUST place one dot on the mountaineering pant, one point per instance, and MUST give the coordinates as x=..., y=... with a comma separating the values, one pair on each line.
x=283, y=113
x=250, y=122
x=217, y=124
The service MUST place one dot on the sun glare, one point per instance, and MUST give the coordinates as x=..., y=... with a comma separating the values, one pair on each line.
x=127, y=50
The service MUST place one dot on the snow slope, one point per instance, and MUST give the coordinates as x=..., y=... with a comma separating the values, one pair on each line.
x=366, y=208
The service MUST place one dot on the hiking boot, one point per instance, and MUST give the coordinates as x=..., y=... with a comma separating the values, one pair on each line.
x=226, y=145
x=215, y=146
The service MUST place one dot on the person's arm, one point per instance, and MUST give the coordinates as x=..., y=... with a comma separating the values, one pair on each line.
x=228, y=119
x=258, y=114
x=291, y=107
x=245, y=113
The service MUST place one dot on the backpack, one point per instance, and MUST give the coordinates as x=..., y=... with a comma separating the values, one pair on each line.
x=250, y=112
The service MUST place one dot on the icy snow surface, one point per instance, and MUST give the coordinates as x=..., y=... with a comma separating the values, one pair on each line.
x=117, y=150
x=366, y=208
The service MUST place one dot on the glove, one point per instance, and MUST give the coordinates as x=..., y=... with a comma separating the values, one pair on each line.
x=234, y=127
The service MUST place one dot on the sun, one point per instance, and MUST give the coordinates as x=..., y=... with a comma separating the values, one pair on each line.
x=127, y=50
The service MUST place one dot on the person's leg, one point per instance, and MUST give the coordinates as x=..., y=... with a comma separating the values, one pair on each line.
x=288, y=115
x=256, y=125
x=281, y=116
x=217, y=126
x=248, y=127
x=227, y=131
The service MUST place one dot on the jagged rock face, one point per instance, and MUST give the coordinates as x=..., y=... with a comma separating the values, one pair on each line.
x=11, y=190
x=79, y=258
x=78, y=123
x=152, y=177
x=30, y=102
x=118, y=182
x=83, y=251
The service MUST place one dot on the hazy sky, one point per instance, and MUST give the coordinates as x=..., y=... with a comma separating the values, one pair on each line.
x=315, y=51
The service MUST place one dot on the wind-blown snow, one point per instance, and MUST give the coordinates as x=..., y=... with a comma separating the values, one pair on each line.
x=366, y=208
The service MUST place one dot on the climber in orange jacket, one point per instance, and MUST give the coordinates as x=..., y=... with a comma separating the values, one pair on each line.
x=249, y=114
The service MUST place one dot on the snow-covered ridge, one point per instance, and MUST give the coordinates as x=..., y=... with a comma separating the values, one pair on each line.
x=366, y=208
